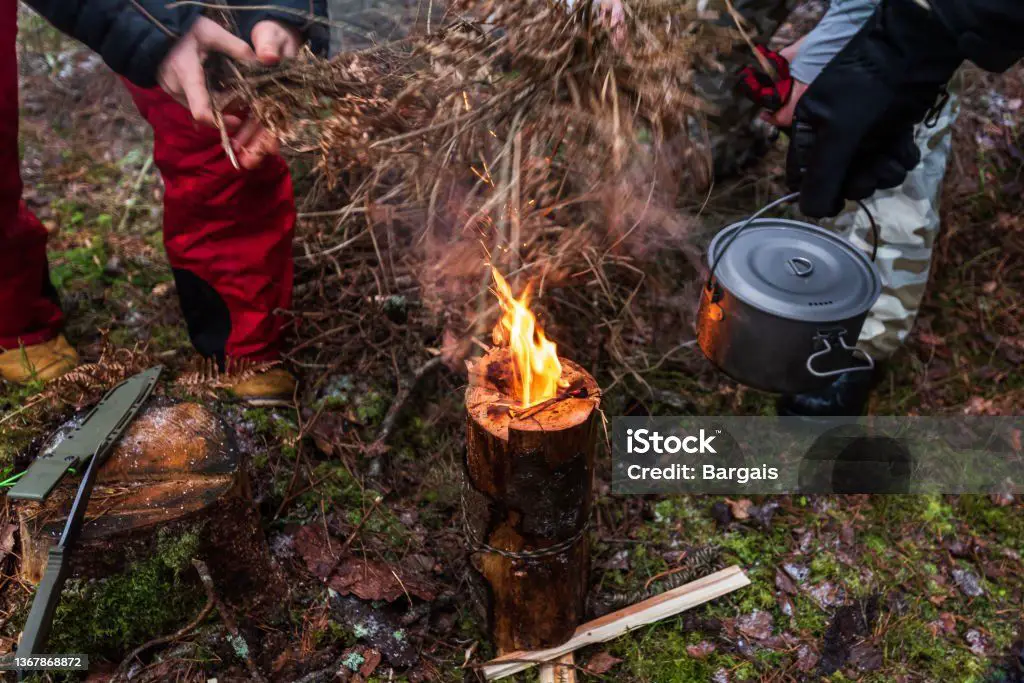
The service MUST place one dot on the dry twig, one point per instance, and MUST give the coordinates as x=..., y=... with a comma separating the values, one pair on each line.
x=238, y=642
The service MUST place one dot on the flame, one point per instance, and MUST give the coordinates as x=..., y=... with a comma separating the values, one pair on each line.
x=536, y=370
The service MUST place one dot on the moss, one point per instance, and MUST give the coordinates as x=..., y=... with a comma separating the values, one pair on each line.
x=876, y=544
x=150, y=598
x=371, y=407
x=13, y=441
x=911, y=647
x=81, y=265
x=259, y=418
x=824, y=565
x=657, y=654
x=893, y=512
x=337, y=489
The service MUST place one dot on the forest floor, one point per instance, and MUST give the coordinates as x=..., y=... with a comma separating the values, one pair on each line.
x=874, y=588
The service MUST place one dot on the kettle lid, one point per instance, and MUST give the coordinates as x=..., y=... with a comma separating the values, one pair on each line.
x=794, y=270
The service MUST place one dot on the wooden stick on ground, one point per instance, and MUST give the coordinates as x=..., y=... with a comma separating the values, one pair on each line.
x=237, y=641
x=613, y=625
x=562, y=670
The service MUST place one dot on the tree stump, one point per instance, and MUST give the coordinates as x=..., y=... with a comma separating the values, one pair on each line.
x=529, y=477
x=177, y=469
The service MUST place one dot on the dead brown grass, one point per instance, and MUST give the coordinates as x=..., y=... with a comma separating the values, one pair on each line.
x=550, y=141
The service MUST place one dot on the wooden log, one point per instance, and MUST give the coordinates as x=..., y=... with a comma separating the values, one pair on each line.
x=528, y=497
x=177, y=469
x=615, y=624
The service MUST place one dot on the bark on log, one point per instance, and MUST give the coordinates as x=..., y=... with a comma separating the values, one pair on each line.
x=529, y=482
x=176, y=469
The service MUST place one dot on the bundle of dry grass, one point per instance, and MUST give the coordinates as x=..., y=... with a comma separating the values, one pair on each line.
x=551, y=140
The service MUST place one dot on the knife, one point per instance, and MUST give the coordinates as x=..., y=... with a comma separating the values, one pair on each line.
x=94, y=438
x=100, y=429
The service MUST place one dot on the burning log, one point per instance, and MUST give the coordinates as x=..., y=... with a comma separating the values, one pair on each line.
x=529, y=469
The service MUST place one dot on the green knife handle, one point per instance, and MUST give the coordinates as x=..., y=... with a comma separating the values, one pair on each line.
x=40, y=617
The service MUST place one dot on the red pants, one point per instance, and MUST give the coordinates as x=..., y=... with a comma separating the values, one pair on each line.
x=228, y=233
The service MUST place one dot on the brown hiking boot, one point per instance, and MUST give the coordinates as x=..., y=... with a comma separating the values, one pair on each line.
x=272, y=387
x=44, y=361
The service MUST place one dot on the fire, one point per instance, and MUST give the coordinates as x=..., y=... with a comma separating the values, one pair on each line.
x=536, y=370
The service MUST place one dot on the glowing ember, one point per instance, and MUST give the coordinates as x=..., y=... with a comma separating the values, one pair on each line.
x=536, y=370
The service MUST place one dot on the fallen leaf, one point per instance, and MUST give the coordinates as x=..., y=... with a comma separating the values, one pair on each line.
x=827, y=594
x=968, y=582
x=797, y=572
x=944, y=625
x=784, y=582
x=849, y=626
x=370, y=665
x=7, y=540
x=371, y=580
x=757, y=625
x=366, y=579
x=866, y=657
x=282, y=660
x=701, y=649
x=806, y=658
x=764, y=513
x=931, y=339
x=786, y=605
x=619, y=561
x=976, y=641
x=740, y=509
x=720, y=513
x=600, y=663
x=994, y=571
x=978, y=405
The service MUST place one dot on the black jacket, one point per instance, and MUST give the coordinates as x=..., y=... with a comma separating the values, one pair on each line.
x=990, y=33
x=134, y=36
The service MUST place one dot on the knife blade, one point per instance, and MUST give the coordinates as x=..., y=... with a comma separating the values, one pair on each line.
x=100, y=429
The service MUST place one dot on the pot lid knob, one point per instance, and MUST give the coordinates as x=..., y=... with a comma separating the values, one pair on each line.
x=800, y=266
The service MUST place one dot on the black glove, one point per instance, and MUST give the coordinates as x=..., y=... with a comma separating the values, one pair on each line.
x=853, y=130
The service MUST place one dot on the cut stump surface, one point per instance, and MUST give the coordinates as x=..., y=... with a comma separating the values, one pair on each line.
x=176, y=468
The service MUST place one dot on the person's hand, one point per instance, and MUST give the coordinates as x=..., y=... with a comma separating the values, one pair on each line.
x=181, y=73
x=612, y=16
x=274, y=41
x=853, y=128
x=253, y=143
x=783, y=118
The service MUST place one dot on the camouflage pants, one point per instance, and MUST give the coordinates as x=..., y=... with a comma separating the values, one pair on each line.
x=908, y=222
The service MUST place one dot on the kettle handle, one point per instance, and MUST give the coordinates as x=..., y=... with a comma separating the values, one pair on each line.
x=768, y=207
x=841, y=338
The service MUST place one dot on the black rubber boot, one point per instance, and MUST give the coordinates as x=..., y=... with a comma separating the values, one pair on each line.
x=847, y=395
